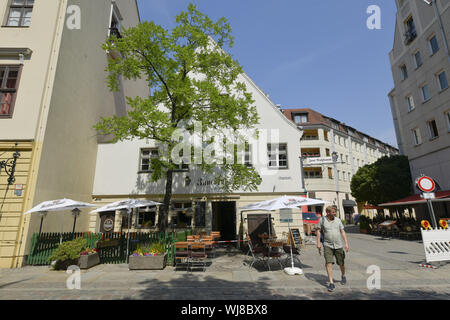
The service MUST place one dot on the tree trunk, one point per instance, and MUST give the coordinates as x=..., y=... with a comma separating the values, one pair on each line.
x=163, y=220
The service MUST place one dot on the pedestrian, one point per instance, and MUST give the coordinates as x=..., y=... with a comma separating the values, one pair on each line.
x=332, y=230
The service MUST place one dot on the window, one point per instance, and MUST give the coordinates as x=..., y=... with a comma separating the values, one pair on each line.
x=146, y=218
x=9, y=82
x=447, y=117
x=248, y=155
x=434, y=46
x=425, y=93
x=417, y=59
x=404, y=72
x=20, y=13
x=339, y=175
x=417, y=139
x=411, y=33
x=325, y=135
x=327, y=152
x=344, y=176
x=312, y=173
x=410, y=103
x=114, y=26
x=349, y=177
x=433, y=129
x=300, y=117
x=330, y=173
x=442, y=78
x=277, y=154
x=145, y=159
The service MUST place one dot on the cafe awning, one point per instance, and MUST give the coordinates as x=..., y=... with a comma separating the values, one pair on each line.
x=440, y=196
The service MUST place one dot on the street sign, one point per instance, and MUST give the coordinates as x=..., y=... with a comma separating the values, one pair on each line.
x=428, y=195
x=319, y=160
x=426, y=184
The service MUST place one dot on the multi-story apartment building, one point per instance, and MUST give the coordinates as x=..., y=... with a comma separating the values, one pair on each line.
x=324, y=136
x=52, y=91
x=420, y=101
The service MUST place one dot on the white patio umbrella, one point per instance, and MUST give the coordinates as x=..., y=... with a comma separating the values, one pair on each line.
x=127, y=204
x=284, y=202
x=59, y=205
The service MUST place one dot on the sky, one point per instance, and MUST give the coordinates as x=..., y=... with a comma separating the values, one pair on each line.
x=308, y=54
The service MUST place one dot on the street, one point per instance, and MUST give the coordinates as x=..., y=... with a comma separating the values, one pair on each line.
x=227, y=278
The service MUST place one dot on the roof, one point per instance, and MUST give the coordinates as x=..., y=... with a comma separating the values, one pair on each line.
x=417, y=199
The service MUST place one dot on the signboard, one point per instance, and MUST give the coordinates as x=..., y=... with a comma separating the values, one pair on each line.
x=319, y=160
x=429, y=195
x=108, y=224
x=426, y=184
x=295, y=235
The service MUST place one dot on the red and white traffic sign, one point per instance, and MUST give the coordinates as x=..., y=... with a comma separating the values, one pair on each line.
x=426, y=184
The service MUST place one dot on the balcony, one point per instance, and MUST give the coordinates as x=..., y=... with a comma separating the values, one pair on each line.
x=410, y=35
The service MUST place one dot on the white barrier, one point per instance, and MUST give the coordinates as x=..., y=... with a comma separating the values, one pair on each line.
x=436, y=243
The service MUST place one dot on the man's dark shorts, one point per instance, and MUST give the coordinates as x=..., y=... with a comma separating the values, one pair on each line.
x=330, y=253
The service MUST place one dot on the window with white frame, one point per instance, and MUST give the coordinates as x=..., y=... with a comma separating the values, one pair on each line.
x=447, y=117
x=20, y=13
x=248, y=155
x=277, y=154
x=300, y=117
x=410, y=103
x=115, y=24
x=425, y=92
x=432, y=128
x=403, y=72
x=442, y=80
x=434, y=46
x=417, y=59
x=145, y=158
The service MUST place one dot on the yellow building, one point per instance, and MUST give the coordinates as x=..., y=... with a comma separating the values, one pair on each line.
x=52, y=91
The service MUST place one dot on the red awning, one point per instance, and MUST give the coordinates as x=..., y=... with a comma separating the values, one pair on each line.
x=417, y=199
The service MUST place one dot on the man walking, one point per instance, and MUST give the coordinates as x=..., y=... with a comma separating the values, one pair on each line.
x=333, y=230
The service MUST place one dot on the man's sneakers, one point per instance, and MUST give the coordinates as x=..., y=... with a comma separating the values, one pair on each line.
x=331, y=287
x=344, y=280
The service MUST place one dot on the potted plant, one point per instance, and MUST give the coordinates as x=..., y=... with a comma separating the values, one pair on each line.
x=153, y=257
x=67, y=254
x=88, y=258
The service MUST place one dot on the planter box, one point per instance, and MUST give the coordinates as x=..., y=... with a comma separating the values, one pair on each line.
x=63, y=265
x=148, y=262
x=88, y=261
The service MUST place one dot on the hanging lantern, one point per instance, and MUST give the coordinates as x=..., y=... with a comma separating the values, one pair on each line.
x=425, y=224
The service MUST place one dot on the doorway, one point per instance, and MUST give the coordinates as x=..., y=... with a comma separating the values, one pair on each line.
x=259, y=224
x=224, y=219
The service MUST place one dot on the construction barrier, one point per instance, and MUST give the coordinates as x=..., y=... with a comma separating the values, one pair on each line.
x=436, y=243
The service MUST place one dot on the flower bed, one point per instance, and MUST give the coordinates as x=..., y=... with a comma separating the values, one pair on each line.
x=153, y=257
x=88, y=259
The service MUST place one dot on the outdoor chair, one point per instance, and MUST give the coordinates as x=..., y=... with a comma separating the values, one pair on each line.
x=181, y=255
x=215, y=235
x=197, y=257
x=255, y=253
x=210, y=248
x=272, y=252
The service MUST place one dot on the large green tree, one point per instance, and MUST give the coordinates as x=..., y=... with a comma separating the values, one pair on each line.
x=387, y=179
x=191, y=78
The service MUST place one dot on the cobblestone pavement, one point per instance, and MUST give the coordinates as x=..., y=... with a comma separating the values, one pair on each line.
x=230, y=278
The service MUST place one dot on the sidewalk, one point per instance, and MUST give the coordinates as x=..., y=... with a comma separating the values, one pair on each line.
x=228, y=278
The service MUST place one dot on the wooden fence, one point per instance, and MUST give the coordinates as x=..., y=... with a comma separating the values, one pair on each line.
x=112, y=246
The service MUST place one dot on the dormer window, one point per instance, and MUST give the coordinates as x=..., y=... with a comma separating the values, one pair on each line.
x=300, y=117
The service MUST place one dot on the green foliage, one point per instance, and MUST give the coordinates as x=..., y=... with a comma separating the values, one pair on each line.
x=364, y=223
x=155, y=248
x=387, y=179
x=191, y=78
x=69, y=250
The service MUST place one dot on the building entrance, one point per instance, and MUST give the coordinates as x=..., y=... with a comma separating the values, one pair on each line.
x=224, y=219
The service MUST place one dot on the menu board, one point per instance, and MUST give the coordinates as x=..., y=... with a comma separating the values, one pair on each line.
x=295, y=235
x=200, y=212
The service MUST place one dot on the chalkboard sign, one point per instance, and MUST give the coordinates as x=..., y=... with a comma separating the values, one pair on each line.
x=295, y=235
x=200, y=212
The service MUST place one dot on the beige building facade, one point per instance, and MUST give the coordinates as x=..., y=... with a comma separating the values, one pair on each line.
x=420, y=101
x=53, y=91
x=324, y=179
